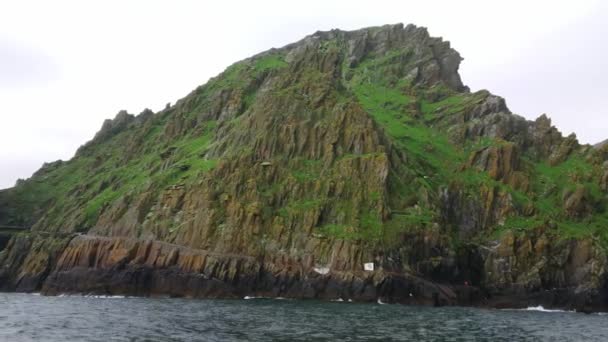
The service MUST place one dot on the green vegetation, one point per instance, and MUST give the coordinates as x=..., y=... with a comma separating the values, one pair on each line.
x=270, y=62
x=424, y=157
x=370, y=229
x=300, y=206
x=240, y=77
x=434, y=160
x=339, y=231
x=95, y=205
x=105, y=174
x=551, y=182
x=406, y=113
x=387, y=106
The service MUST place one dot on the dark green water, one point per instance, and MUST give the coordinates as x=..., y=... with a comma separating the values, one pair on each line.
x=37, y=318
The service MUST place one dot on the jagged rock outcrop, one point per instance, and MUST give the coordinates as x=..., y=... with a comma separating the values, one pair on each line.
x=28, y=260
x=601, y=144
x=293, y=171
x=130, y=266
x=545, y=137
x=502, y=163
x=568, y=273
x=577, y=202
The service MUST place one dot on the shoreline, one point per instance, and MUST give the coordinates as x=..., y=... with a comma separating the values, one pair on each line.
x=378, y=301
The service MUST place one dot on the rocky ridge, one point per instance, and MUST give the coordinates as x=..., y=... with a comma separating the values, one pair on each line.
x=289, y=171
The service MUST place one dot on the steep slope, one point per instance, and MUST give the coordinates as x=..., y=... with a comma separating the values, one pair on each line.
x=286, y=173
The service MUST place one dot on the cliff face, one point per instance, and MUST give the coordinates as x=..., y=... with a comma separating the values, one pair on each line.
x=289, y=171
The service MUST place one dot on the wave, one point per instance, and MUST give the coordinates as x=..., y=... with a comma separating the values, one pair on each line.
x=91, y=296
x=252, y=297
x=255, y=297
x=538, y=308
x=542, y=309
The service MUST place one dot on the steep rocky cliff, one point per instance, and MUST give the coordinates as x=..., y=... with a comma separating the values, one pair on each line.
x=289, y=171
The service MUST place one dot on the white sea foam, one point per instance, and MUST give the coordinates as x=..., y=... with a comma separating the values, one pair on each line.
x=254, y=297
x=542, y=309
x=538, y=308
x=91, y=296
x=381, y=302
x=337, y=300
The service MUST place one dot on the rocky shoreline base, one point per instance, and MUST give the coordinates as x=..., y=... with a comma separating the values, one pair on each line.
x=131, y=267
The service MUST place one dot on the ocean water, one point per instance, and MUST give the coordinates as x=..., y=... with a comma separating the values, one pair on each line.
x=27, y=317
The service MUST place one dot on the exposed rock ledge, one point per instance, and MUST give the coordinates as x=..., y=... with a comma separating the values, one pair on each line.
x=92, y=264
x=123, y=266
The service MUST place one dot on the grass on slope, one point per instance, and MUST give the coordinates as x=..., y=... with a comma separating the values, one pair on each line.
x=437, y=162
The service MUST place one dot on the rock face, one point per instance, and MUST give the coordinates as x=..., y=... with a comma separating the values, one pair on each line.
x=535, y=268
x=131, y=266
x=601, y=144
x=291, y=170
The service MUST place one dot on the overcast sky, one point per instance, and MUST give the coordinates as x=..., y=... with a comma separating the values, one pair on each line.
x=65, y=66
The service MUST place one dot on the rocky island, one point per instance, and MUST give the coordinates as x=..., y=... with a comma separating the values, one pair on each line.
x=353, y=165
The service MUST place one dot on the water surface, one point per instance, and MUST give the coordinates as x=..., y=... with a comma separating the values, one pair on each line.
x=26, y=317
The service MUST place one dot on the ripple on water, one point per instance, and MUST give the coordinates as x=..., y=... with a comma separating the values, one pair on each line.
x=94, y=318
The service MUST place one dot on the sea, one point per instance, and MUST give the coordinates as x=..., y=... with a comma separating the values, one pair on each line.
x=32, y=317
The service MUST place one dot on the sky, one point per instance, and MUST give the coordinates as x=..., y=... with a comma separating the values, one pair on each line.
x=65, y=66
